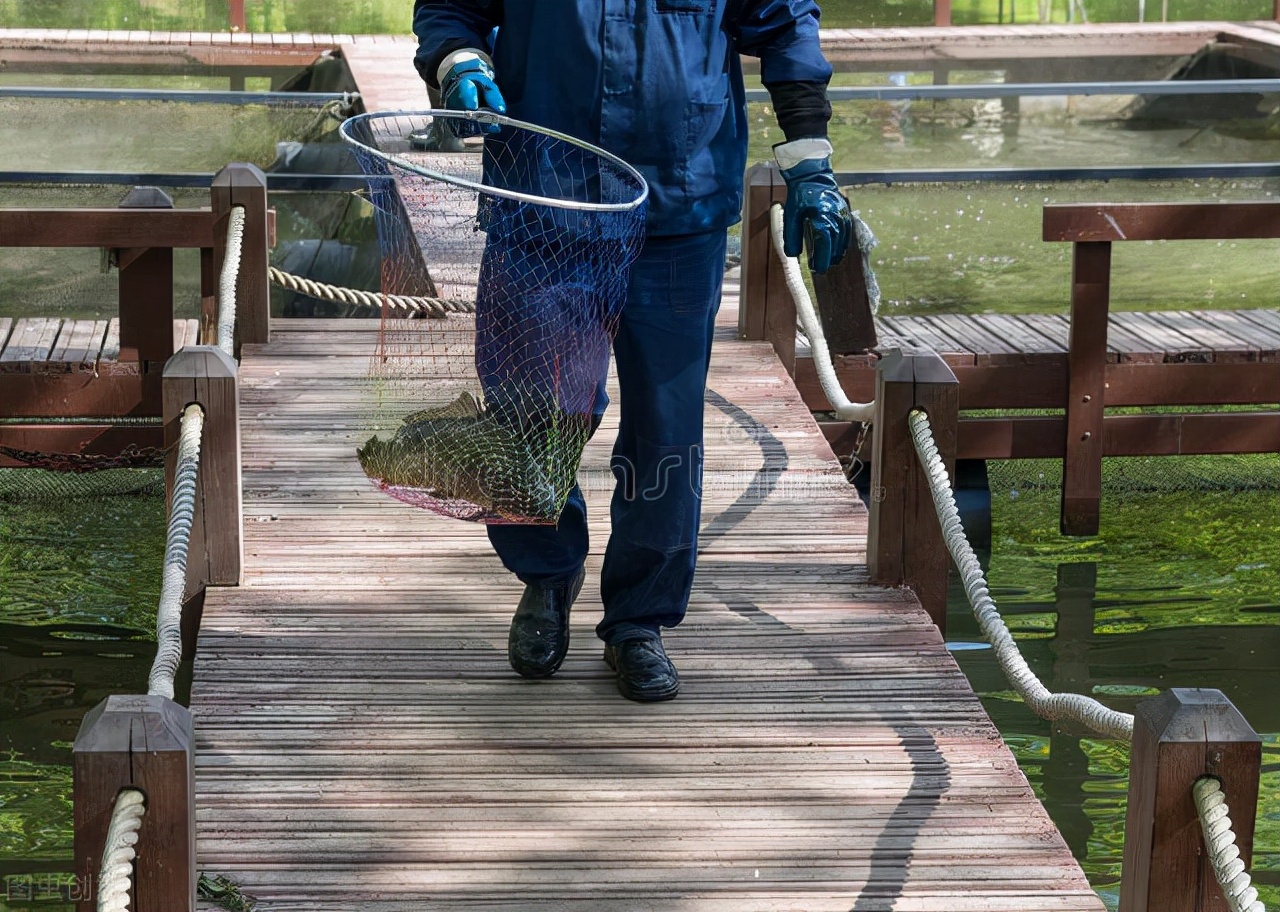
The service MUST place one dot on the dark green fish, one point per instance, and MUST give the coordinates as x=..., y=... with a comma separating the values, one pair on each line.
x=465, y=462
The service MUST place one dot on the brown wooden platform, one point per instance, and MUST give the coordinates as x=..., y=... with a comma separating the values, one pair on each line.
x=51, y=368
x=362, y=742
x=1034, y=348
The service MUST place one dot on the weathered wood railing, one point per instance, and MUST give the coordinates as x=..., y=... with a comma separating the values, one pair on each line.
x=1083, y=381
x=145, y=743
x=139, y=238
x=1089, y=434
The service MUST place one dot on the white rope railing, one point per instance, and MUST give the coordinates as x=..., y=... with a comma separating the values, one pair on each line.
x=1224, y=854
x=174, y=577
x=1053, y=706
x=115, y=877
x=227, y=280
x=845, y=410
x=432, y=307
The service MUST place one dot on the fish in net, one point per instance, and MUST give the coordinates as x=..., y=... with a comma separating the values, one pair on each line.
x=484, y=417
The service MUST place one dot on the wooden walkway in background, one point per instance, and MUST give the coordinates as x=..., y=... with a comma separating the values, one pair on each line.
x=363, y=744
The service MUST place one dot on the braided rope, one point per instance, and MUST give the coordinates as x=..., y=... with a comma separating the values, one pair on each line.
x=115, y=878
x=173, y=580
x=845, y=410
x=432, y=307
x=1053, y=706
x=1224, y=854
x=227, y=281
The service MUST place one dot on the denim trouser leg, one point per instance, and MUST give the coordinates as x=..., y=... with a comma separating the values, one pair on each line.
x=662, y=351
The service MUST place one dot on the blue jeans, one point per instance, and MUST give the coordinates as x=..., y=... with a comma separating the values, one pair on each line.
x=662, y=349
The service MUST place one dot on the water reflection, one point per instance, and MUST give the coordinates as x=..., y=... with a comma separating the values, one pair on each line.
x=1083, y=780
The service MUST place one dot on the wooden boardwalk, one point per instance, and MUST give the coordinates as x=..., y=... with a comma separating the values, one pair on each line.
x=362, y=743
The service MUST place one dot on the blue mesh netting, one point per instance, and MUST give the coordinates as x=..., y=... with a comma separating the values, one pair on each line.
x=540, y=231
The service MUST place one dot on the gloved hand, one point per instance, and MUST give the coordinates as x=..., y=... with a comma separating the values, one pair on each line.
x=466, y=84
x=816, y=214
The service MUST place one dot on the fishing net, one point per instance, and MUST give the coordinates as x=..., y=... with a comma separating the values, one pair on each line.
x=483, y=416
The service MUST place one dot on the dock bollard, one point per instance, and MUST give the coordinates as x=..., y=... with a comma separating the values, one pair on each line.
x=146, y=743
x=1179, y=736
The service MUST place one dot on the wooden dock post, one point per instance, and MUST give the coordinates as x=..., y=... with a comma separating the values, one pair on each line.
x=844, y=307
x=904, y=543
x=1178, y=737
x=147, y=743
x=765, y=309
x=146, y=297
x=207, y=375
x=1086, y=386
x=244, y=185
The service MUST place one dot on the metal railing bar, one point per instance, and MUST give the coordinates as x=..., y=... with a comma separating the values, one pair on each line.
x=184, y=96
x=1061, y=174
x=1027, y=89
x=276, y=181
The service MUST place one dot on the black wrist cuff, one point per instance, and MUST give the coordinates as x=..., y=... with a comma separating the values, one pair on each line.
x=802, y=108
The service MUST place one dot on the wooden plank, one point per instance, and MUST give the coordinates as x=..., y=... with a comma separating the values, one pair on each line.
x=80, y=342
x=1160, y=221
x=972, y=334
x=1130, y=341
x=1224, y=345
x=1174, y=343
x=1025, y=335
x=105, y=228
x=924, y=334
x=31, y=342
x=1255, y=325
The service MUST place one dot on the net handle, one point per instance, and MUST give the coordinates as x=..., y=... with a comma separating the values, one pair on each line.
x=488, y=117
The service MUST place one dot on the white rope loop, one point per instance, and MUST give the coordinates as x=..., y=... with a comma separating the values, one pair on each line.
x=173, y=580
x=115, y=877
x=432, y=307
x=1053, y=706
x=1224, y=854
x=227, y=280
x=845, y=410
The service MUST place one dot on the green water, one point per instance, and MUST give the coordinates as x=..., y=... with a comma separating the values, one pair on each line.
x=1185, y=593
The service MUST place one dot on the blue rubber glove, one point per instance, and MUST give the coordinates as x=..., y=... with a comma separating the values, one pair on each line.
x=816, y=215
x=466, y=84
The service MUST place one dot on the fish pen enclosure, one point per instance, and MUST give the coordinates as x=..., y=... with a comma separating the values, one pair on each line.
x=80, y=394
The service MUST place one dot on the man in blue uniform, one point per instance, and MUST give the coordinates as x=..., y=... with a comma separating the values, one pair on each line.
x=658, y=83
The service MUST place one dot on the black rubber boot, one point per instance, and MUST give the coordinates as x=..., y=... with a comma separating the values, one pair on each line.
x=539, y=635
x=645, y=674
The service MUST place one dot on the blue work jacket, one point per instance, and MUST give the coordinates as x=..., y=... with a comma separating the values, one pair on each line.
x=656, y=82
